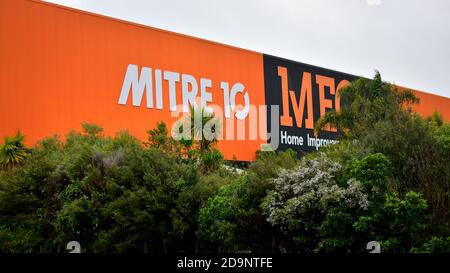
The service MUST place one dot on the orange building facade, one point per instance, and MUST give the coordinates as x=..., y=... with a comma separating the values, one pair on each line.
x=60, y=67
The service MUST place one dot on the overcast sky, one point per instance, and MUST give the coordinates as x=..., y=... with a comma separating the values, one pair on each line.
x=408, y=41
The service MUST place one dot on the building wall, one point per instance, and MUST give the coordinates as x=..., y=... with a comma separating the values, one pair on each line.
x=60, y=67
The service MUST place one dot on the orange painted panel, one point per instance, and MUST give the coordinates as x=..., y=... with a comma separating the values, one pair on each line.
x=60, y=67
x=430, y=103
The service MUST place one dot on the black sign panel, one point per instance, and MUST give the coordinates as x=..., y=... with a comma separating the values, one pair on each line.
x=302, y=94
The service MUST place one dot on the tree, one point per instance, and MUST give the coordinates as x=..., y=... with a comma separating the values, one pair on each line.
x=374, y=118
x=398, y=224
x=28, y=201
x=211, y=160
x=232, y=220
x=373, y=171
x=199, y=126
x=308, y=203
x=91, y=129
x=110, y=194
x=217, y=220
x=434, y=245
x=364, y=103
x=159, y=138
x=12, y=152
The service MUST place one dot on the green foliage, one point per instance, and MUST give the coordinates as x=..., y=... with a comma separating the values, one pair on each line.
x=372, y=171
x=364, y=103
x=110, y=194
x=398, y=224
x=192, y=146
x=434, y=245
x=269, y=163
x=12, y=152
x=91, y=129
x=436, y=119
x=218, y=219
x=375, y=120
x=200, y=130
x=158, y=137
x=393, y=153
x=233, y=220
x=419, y=154
x=28, y=200
x=211, y=160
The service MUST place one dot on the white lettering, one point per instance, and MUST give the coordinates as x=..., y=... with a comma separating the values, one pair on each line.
x=206, y=97
x=291, y=140
x=172, y=78
x=188, y=95
x=137, y=82
x=158, y=85
x=239, y=88
x=226, y=98
x=137, y=86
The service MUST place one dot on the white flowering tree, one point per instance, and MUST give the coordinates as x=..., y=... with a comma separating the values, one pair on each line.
x=312, y=207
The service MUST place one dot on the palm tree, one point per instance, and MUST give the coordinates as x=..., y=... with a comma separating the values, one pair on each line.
x=199, y=120
x=12, y=152
x=196, y=122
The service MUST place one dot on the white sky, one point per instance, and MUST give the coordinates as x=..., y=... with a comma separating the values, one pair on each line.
x=408, y=41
